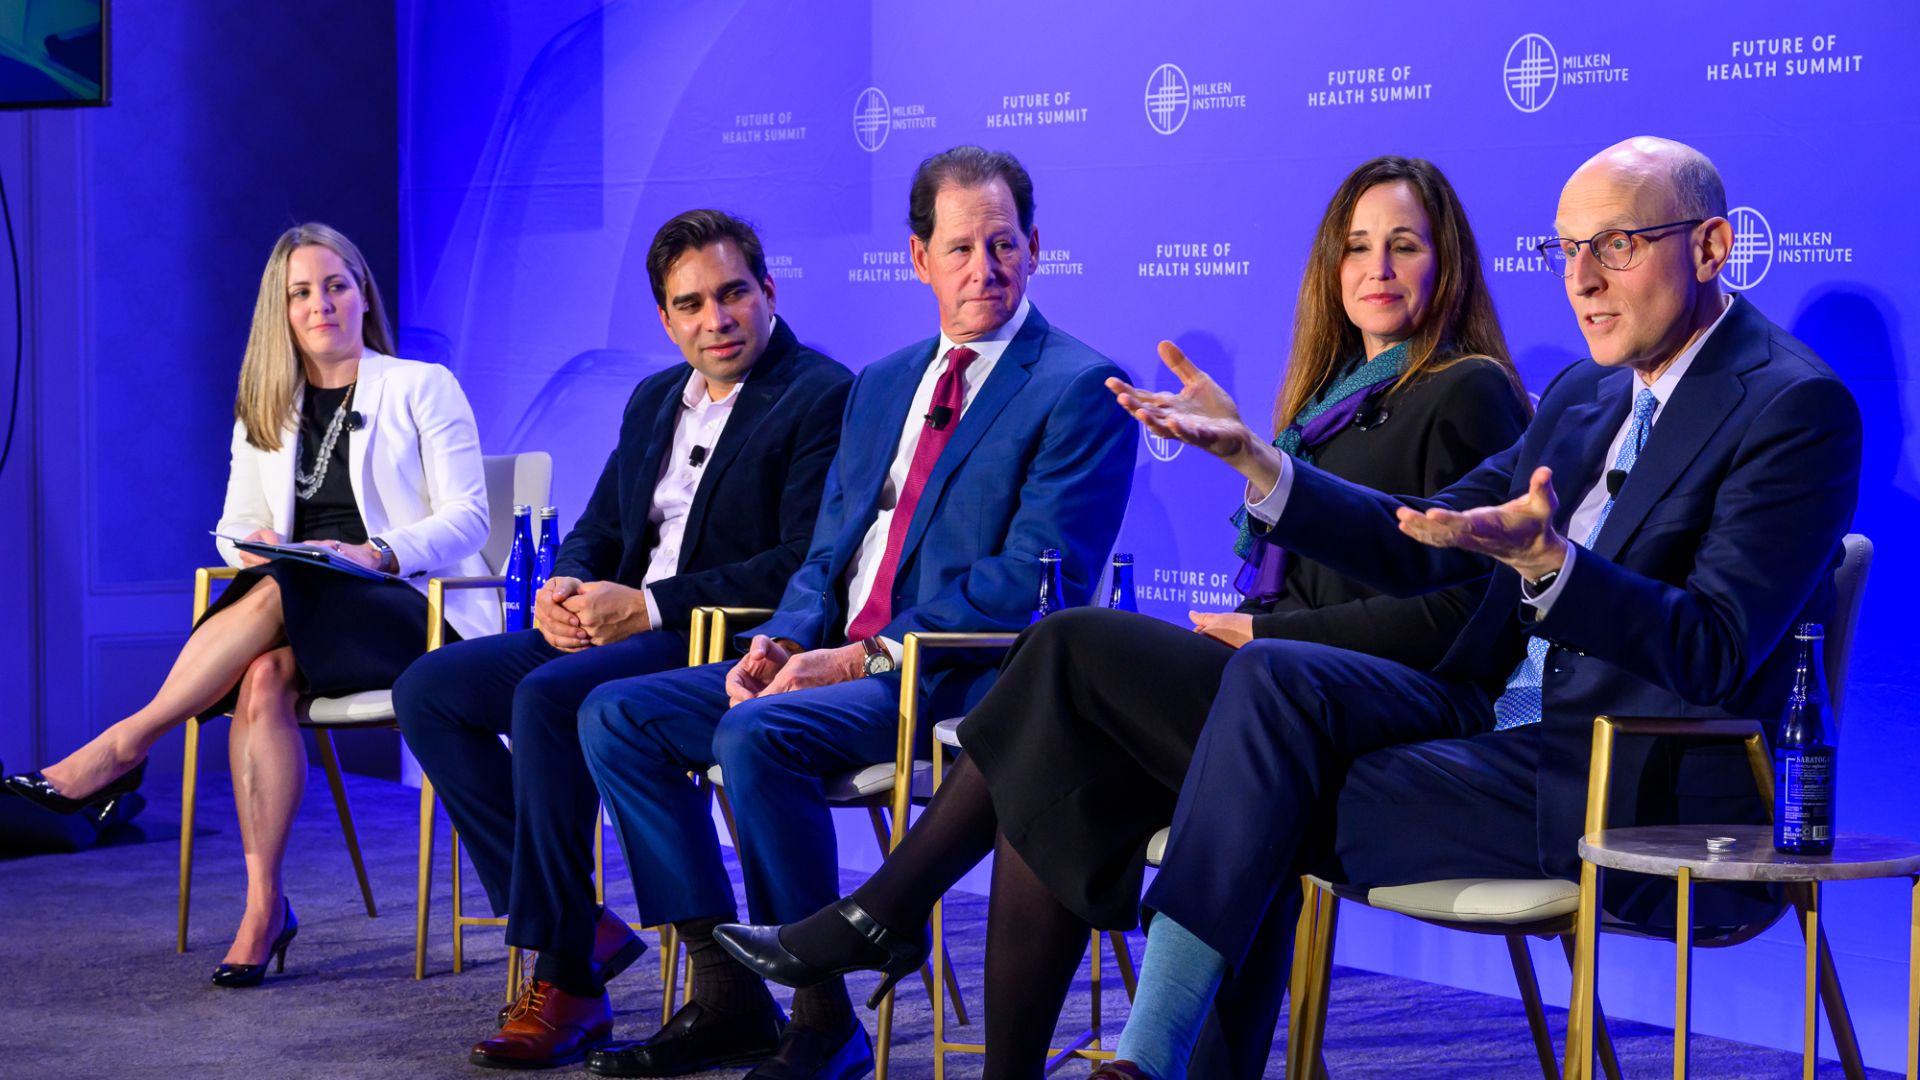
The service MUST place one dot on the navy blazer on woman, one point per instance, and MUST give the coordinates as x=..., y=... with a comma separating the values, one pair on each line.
x=1722, y=538
x=1042, y=458
x=759, y=490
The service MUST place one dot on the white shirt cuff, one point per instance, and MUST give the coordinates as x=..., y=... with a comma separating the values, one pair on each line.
x=1543, y=600
x=893, y=649
x=653, y=609
x=1268, y=510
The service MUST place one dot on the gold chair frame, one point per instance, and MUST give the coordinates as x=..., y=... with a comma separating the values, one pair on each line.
x=1586, y=1023
x=1087, y=1045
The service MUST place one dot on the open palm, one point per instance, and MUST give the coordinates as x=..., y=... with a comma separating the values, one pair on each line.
x=1199, y=414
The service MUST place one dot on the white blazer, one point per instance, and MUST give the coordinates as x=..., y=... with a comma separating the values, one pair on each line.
x=417, y=479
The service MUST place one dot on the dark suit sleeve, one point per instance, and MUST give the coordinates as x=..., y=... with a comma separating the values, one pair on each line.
x=1776, y=522
x=1476, y=416
x=764, y=574
x=1072, y=497
x=592, y=548
x=1353, y=530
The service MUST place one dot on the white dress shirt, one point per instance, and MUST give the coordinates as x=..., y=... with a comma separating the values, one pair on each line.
x=699, y=424
x=1268, y=510
x=873, y=546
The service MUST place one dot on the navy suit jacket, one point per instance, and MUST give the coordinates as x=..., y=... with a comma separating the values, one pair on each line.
x=1042, y=458
x=759, y=489
x=1722, y=538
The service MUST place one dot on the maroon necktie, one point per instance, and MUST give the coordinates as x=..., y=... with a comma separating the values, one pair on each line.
x=950, y=394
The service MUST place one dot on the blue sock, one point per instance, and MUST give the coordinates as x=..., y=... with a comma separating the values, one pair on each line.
x=1178, y=978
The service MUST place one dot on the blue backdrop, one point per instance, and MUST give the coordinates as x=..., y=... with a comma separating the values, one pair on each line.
x=1181, y=162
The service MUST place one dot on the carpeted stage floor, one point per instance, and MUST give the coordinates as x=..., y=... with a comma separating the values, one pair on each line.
x=96, y=989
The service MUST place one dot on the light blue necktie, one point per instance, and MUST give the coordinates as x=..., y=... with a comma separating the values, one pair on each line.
x=1519, y=705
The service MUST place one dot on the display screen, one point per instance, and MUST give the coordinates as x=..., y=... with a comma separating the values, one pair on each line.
x=53, y=52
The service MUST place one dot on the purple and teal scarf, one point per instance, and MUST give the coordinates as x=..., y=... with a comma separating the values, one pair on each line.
x=1261, y=577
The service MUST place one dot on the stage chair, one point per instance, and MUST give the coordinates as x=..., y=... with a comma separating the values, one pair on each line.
x=1517, y=909
x=876, y=788
x=510, y=478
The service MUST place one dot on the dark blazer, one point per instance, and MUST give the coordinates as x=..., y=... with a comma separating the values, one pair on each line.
x=1042, y=458
x=1722, y=538
x=759, y=490
x=1422, y=437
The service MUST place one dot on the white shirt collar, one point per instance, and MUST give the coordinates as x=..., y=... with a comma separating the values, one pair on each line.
x=992, y=345
x=1662, y=387
x=695, y=391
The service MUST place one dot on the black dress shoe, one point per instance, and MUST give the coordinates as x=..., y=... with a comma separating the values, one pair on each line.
x=759, y=948
x=242, y=976
x=36, y=787
x=811, y=1054
x=694, y=1040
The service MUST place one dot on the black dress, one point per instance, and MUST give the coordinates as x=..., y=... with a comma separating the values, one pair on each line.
x=1086, y=737
x=348, y=633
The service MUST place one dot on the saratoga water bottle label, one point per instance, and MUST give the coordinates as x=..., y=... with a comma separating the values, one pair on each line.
x=1805, y=803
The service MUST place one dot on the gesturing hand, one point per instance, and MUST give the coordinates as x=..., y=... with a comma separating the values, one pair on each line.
x=1229, y=626
x=1518, y=533
x=559, y=626
x=1200, y=414
x=749, y=678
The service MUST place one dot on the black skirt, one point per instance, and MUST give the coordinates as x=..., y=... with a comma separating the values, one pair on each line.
x=1084, y=741
x=348, y=633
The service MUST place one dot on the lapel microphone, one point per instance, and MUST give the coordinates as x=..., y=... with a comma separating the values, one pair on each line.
x=1370, y=417
x=939, y=417
x=355, y=421
x=697, y=456
x=1616, y=479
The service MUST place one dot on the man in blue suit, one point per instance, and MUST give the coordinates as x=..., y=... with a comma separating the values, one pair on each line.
x=708, y=498
x=1674, y=510
x=965, y=456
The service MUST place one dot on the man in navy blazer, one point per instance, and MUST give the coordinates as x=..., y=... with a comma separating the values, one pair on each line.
x=966, y=455
x=1674, y=510
x=708, y=498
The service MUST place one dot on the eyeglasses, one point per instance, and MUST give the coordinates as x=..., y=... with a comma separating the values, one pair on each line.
x=1615, y=249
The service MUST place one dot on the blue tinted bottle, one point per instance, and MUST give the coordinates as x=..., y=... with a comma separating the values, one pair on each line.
x=1805, y=755
x=1052, y=589
x=519, y=599
x=1120, y=584
x=549, y=549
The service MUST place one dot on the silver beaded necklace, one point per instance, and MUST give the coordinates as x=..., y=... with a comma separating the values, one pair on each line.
x=307, y=485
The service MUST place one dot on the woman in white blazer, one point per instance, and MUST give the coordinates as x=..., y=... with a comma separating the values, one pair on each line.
x=337, y=444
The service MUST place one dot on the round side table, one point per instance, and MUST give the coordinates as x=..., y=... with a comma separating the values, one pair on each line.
x=1680, y=852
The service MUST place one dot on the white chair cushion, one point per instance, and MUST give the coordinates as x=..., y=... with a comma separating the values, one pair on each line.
x=365, y=708
x=1157, y=847
x=855, y=785
x=948, y=732
x=1480, y=900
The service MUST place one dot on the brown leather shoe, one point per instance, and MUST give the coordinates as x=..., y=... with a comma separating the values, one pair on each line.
x=1118, y=1070
x=615, y=948
x=546, y=1027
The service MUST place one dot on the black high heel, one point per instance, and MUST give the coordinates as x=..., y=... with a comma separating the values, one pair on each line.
x=36, y=788
x=240, y=976
x=759, y=948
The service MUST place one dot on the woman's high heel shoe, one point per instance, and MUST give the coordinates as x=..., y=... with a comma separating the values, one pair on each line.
x=759, y=948
x=35, y=787
x=240, y=976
